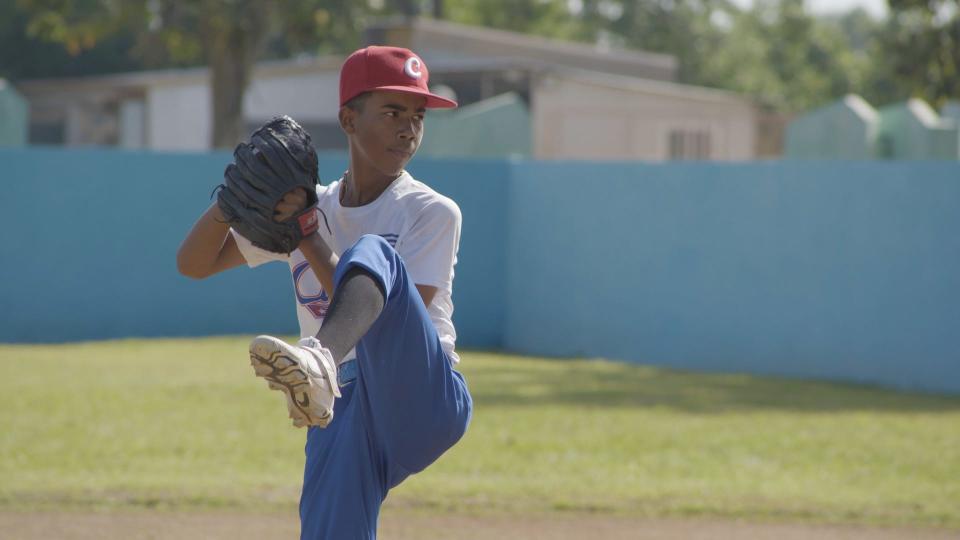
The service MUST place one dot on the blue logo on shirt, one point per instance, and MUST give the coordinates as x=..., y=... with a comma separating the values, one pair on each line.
x=317, y=303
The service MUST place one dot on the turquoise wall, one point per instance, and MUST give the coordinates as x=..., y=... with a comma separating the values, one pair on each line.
x=480, y=187
x=848, y=271
x=839, y=270
x=90, y=240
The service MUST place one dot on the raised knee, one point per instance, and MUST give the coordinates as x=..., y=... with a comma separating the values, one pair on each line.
x=374, y=241
x=377, y=247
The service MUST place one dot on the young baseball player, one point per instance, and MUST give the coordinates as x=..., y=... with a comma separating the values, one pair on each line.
x=373, y=373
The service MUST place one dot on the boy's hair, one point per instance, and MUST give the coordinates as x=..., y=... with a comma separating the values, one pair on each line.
x=357, y=102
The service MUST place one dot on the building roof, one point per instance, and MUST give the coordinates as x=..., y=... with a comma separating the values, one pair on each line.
x=142, y=79
x=452, y=51
x=663, y=88
x=9, y=96
x=917, y=109
x=436, y=40
x=861, y=108
x=923, y=112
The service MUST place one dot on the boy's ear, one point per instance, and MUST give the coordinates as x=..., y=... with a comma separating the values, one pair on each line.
x=347, y=117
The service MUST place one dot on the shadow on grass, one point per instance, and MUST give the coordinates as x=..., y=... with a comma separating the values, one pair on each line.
x=583, y=383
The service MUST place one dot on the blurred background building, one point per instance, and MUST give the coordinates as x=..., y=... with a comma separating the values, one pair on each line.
x=519, y=95
x=13, y=116
x=545, y=79
x=851, y=128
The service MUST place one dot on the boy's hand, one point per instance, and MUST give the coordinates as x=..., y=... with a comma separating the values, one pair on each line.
x=292, y=204
x=269, y=191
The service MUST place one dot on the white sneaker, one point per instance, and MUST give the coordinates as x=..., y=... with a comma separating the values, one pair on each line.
x=306, y=374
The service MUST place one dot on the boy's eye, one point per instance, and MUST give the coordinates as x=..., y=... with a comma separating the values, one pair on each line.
x=419, y=117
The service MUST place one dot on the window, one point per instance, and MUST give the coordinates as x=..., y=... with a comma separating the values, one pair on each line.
x=47, y=133
x=689, y=144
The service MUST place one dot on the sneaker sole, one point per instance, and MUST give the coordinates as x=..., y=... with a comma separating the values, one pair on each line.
x=272, y=362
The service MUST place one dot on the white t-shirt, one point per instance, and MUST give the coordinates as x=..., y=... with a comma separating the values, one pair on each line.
x=422, y=225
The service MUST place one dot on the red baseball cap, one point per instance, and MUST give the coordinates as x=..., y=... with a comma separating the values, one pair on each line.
x=387, y=68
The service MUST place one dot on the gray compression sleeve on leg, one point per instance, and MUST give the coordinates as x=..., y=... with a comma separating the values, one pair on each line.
x=356, y=304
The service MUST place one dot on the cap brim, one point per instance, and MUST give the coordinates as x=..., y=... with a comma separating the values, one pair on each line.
x=433, y=101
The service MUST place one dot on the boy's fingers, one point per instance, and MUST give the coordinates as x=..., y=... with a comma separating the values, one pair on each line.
x=297, y=196
x=291, y=203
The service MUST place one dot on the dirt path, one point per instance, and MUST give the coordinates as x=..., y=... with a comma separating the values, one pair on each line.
x=395, y=525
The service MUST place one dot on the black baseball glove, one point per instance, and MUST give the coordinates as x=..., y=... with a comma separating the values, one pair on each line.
x=278, y=159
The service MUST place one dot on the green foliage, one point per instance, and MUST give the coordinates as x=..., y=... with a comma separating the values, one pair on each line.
x=185, y=424
x=79, y=24
x=26, y=56
x=682, y=28
x=549, y=18
x=920, y=48
x=323, y=26
x=783, y=57
x=227, y=35
x=775, y=52
x=48, y=38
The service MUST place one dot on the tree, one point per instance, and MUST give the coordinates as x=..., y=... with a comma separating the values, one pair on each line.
x=783, y=57
x=228, y=35
x=920, y=47
x=233, y=34
x=548, y=18
x=23, y=56
x=775, y=52
x=685, y=29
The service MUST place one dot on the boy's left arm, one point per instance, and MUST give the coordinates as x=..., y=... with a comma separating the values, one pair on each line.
x=427, y=293
x=429, y=248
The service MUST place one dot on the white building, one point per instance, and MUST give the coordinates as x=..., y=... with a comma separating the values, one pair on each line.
x=584, y=102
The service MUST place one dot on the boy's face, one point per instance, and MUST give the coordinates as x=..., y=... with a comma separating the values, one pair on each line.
x=387, y=129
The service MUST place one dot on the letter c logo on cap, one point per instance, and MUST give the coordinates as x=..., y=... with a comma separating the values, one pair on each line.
x=412, y=67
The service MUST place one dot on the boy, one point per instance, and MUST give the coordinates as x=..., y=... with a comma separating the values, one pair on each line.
x=373, y=375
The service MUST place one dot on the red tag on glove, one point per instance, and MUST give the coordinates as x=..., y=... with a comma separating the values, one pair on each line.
x=308, y=221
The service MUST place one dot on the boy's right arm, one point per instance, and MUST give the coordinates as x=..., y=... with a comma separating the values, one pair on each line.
x=209, y=248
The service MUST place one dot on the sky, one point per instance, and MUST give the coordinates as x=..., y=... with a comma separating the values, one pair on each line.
x=877, y=8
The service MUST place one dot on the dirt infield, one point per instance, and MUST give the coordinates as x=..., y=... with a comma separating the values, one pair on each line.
x=397, y=526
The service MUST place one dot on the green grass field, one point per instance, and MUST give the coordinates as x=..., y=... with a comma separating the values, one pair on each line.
x=184, y=424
